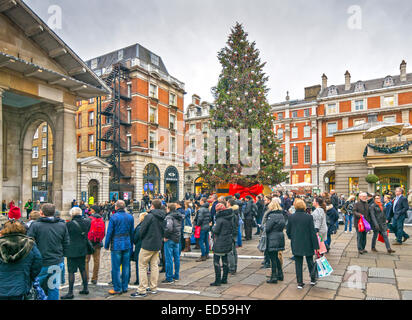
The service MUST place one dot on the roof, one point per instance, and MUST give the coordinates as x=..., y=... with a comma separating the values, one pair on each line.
x=40, y=33
x=369, y=85
x=364, y=126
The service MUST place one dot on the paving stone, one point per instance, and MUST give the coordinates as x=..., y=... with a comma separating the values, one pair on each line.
x=404, y=283
x=381, y=273
x=382, y=290
x=346, y=298
x=328, y=285
x=240, y=290
x=403, y=265
x=388, y=264
x=352, y=293
x=406, y=295
x=314, y=298
x=332, y=278
x=353, y=285
x=403, y=273
x=254, y=279
x=382, y=280
x=363, y=262
x=321, y=293
x=268, y=291
x=293, y=293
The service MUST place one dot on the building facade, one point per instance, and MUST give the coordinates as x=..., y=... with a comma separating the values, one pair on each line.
x=337, y=108
x=151, y=130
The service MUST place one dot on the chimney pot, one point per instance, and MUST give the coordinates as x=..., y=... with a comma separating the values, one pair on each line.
x=324, y=81
x=403, y=71
x=347, y=80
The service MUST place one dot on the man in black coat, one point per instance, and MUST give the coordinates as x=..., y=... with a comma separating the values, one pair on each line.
x=151, y=234
x=203, y=221
x=301, y=231
x=250, y=212
x=260, y=204
x=232, y=256
x=361, y=208
x=398, y=214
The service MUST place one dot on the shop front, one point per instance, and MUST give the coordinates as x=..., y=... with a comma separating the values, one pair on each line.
x=151, y=180
x=390, y=179
x=172, y=183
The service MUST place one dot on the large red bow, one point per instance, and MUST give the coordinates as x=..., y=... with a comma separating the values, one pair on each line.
x=243, y=191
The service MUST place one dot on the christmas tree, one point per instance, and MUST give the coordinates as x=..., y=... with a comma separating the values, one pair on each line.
x=241, y=103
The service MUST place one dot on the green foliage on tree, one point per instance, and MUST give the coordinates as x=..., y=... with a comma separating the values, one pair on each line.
x=371, y=178
x=241, y=103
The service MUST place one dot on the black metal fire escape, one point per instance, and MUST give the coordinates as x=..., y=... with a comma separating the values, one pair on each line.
x=113, y=134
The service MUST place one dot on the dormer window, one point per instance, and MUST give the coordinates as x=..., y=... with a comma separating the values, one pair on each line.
x=388, y=82
x=359, y=86
x=154, y=59
x=332, y=91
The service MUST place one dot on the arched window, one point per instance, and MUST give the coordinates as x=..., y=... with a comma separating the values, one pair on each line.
x=151, y=179
x=388, y=82
x=332, y=91
x=359, y=86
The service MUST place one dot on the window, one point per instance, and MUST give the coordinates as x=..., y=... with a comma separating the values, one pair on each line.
x=332, y=109
x=193, y=143
x=307, y=112
x=205, y=126
x=294, y=132
x=358, y=122
x=388, y=82
x=153, y=91
x=307, y=154
x=108, y=120
x=36, y=134
x=154, y=59
x=44, y=143
x=35, y=172
x=91, y=142
x=353, y=185
x=295, y=179
x=295, y=155
x=280, y=134
x=294, y=114
x=308, y=178
x=332, y=128
x=91, y=118
x=172, y=99
x=79, y=120
x=330, y=152
x=192, y=128
x=91, y=100
x=390, y=119
x=129, y=90
x=44, y=162
x=172, y=145
x=44, y=129
x=129, y=116
x=35, y=153
x=152, y=140
x=359, y=105
x=152, y=115
x=79, y=144
x=94, y=64
x=280, y=116
x=172, y=124
x=129, y=143
x=306, y=132
x=388, y=101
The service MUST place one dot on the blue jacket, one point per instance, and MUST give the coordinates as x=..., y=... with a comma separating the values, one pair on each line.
x=20, y=263
x=120, y=232
x=387, y=209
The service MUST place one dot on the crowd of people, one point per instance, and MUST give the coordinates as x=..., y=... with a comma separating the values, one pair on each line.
x=34, y=251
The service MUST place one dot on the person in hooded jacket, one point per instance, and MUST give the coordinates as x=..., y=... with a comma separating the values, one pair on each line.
x=203, y=221
x=151, y=235
x=172, y=234
x=232, y=256
x=14, y=213
x=222, y=242
x=332, y=216
x=274, y=226
x=20, y=261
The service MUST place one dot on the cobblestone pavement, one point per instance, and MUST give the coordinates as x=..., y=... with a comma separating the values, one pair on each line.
x=371, y=276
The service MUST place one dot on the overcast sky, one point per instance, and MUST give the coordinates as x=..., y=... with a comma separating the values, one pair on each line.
x=299, y=39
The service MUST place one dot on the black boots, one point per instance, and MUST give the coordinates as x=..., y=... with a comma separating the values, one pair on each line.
x=218, y=278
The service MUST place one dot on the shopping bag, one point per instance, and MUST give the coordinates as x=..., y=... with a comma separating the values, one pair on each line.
x=262, y=242
x=324, y=267
x=361, y=226
x=197, y=232
x=322, y=246
x=366, y=224
x=380, y=238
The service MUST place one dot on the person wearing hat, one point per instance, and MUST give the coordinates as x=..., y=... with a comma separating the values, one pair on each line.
x=222, y=242
x=14, y=213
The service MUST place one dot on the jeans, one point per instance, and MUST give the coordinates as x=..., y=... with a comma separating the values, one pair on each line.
x=218, y=268
x=232, y=258
x=172, y=254
x=299, y=268
x=50, y=280
x=385, y=238
x=258, y=222
x=397, y=225
x=361, y=237
x=120, y=282
x=204, y=242
x=239, y=234
x=348, y=222
x=328, y=239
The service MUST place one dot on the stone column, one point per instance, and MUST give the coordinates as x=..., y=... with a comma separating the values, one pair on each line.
x=1, y=143
x=409, y=179
x=371, y=186
x=65, y=158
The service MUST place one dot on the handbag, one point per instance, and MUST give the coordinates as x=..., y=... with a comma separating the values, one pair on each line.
x=366, y=224
x=262, y=242
x=322, y=246
x=380, y=238
x=197, y=232
x=187, y=229
x=361, y=226
x=89, y=245
x=324, y=268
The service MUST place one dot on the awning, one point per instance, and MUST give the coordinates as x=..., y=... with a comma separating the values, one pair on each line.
x=407, y=130
x=384, y=130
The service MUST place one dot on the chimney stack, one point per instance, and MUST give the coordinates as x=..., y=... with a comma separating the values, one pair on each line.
x=347, y=81
x=403, y=71
x=324, y=82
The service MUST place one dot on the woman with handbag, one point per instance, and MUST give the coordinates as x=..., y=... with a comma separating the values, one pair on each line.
x=78, y=249
x=319, y=218
x=274, y=226
x=187, y=226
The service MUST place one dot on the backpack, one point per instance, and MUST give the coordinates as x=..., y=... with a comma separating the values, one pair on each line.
x=97, y=230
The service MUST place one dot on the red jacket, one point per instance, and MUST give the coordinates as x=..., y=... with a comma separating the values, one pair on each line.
x=15, y=213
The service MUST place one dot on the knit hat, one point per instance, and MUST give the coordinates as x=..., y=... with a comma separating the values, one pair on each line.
x=15, y=213
x=95, y=208
x=220, y=207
